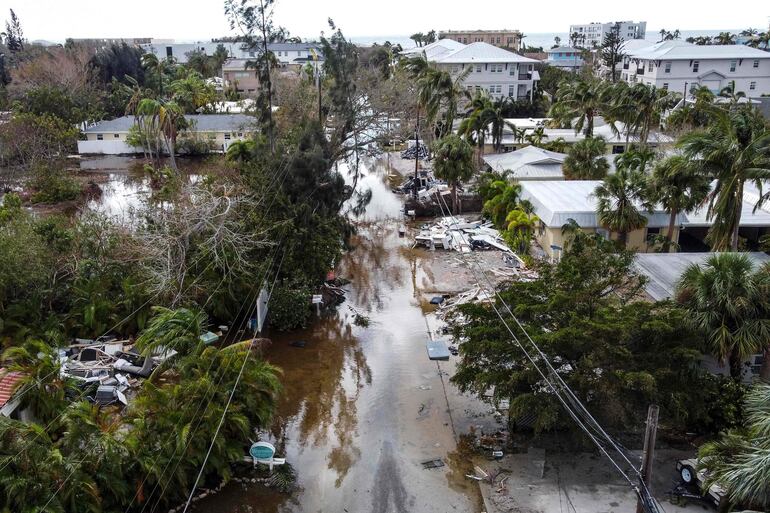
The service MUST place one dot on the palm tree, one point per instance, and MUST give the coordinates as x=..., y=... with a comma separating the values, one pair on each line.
x=725, y=38
x=519, y=229
x=474, y=126
x=178, y=329
x=639, y=107
x=495, y=116
x=730, y=304
x=536, y=136
x=581, y=98
x=586, y=161
x=731, y=94
x=618, y=197
x=453, y=163
x=739, y=460
x=678, y=187
x=503, y=197
x=44, y=389
x=163, y=119
x=150, y=61
x=192, y=93
x=733, y=149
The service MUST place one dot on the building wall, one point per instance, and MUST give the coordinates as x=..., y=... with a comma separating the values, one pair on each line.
x=564, y=59
x=244, y=81
x=498, y=79
x=636, y=241
x=509, y=39
x=680, y=75
x=114, y=143
x=594, y=32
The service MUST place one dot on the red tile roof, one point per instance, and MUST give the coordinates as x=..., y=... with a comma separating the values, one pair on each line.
x=8, y=383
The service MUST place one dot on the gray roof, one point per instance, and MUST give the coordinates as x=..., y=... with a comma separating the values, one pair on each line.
x=682, y=50
x=202, y=122
x=562, y=49
x=664, y=269
x=529, y=163
x=294, y=47
x=556, y=202
x=750, y=216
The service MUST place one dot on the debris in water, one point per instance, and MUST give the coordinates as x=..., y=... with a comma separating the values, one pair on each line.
x=432, y=463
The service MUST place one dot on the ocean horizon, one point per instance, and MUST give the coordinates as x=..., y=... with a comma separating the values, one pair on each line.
x=544, y=39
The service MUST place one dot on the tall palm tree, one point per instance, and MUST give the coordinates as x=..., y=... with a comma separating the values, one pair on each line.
x=495, y=116
x=453, y=163
x=732, y=150
x=725, y=38
x=586, y=161
x=739, y=460
x=639, y=107
x=730, y=303
x=581, y=98
x=503, y=197
x=164, y=118
x=619, y=198
x=474, y=126
x=678, y=187
x=151, y=62
x=536, y=136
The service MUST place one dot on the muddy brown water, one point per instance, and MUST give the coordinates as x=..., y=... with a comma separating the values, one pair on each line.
x=363, y=406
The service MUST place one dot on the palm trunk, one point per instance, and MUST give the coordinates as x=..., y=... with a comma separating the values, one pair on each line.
x=737, y=220
x=454, y=198
x=671, y=223
x=764, y=371
x=736, y=364
x=623, y=239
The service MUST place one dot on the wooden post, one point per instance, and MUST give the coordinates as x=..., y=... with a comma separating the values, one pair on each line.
x=649, y=450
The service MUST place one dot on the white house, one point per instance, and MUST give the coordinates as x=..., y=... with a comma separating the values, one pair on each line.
x=109, y=137
x=499, y=72
x=679, y=66
x=593, y=33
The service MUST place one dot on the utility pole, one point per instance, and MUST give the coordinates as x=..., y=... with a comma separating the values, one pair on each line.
x=649, y=450
x=417, y=153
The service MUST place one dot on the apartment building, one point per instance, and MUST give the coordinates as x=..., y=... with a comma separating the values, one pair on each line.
x=286, y=53
x=495, y=70
x=679, y=66
x=593, y=33
x=565, y=57
x=509, y=39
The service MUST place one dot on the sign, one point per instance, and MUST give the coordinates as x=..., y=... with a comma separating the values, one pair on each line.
x=317, y=299
x=262, y=451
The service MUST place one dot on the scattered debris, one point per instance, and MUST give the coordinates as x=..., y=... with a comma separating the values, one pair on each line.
x=457, y=234
x=437, y=463
x=437, y=300
x=416, y=151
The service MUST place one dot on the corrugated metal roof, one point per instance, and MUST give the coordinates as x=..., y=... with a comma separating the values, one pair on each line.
x=9, y=382
x=556, y=202
x=528, y=162
x=664, y=269
x=203, y=123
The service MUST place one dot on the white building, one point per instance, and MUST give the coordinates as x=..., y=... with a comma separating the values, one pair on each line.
x=220, y=130
x=528, y=163
x=679, y=66
x=285, y=53
x=594, y=32
x=565, y=57
x=499, y=72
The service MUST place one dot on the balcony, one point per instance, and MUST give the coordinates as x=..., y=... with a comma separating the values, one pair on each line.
x=525, y=76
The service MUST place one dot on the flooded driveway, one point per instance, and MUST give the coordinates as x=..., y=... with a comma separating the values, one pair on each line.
x=363, y=406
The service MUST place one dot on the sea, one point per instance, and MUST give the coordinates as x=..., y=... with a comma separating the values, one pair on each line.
x=543, y=39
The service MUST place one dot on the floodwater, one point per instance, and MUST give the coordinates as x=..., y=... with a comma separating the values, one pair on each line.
x=363, y=406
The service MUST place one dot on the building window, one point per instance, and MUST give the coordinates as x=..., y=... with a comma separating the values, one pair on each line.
x=492, y=89
x=498, y=40
x=752, y=86
x=99, y=137
x=604, y=234
x=499, y=89
x=240, y=134
x=169, y=51
x=510, y=90
x=695, y=66
x=733, y=64
x=227, y=137
x=478, y=68
x=617, y=149
x=667, y=69
x=756, y=63
x=478, y=89
x=116, y=136
x=649, y=66
x=251, y=54
x=651, y=234
x=665, y=86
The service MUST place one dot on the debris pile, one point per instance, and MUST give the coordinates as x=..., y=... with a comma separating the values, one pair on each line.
x=416, y=151
x=457, y=234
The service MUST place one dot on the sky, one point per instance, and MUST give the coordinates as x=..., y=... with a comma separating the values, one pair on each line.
x=193, y=20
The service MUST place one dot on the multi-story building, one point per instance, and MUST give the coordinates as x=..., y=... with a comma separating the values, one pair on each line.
x=565, y=57
x=592, y=34
x=510, y=39
x=679, y=66
x=285, y=53
x=499, y=72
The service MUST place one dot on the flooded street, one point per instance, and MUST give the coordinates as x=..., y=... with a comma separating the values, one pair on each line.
x=364, y=406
